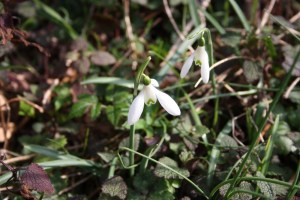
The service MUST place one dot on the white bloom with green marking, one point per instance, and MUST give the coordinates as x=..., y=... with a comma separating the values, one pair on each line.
x=149, y=95
x=200, y=57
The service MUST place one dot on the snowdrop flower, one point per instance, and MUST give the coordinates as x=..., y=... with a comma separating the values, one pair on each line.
x=200, y=57
x=149, y=95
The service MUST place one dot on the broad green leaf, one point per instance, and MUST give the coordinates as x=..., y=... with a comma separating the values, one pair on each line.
x=226, y=141
x=115, y=187
x=26, y=110
x=125, y=142
x=160, y=171
x=252, y=71
x=106, y=157
x=95, y=111
x=295, y=96
x=85, y=102
x=265, y=187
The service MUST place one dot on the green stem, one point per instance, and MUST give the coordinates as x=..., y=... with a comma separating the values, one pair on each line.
x=240, y=14
x=193, y=12
x=206, y=33
x=132, y=127
x=112, y=168
x=167, y=167
x=274, y=103
x=294, y=190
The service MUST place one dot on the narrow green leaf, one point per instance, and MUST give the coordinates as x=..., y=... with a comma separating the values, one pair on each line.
x=240, y=14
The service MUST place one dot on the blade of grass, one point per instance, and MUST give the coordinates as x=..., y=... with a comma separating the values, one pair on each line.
x=213, y=21
x=194, y=13
x=240, y=14
x=56, y=17
x=274, y=103
x=293, y=189
x=281, y=22
x=215, y=153
x=269, y=147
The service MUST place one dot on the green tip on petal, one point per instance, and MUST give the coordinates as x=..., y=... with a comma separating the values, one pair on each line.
x=198, y=62
x=150, y=101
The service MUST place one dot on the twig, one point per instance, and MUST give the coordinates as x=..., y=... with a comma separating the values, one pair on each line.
x=265, y=17
x=129, y=30
x=74, y=185
x=291, y=87
x=174, y=48
x=47, y=95
x=19, y=158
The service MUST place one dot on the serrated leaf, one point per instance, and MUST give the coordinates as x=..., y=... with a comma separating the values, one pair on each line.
x=201, y=130
x=226, y=141
x=244, y=186
x=85, y=102
x=106, y=157
x=102, y=58
x=265, y=187
x=251, y=71
x=125, y=142
x=115, y=187
x=223, y=189
x=34, y=177
x=289, y=57
x=161, y=171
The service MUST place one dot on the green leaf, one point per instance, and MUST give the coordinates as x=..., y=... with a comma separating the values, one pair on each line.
x=115, y=187
x=85, y=102
x=283, y=128
x=109, y=80
x=125, y=142
x=295, y=96
x=160, y=171
x=270, y=46
x=106, y=157
x=95, y=111
x=245, y=186
x=283, y=144
x=26, y=110
x=63, y=96
x=226, y=141
x=252, y=71
x=57, y=143
x=265, y=187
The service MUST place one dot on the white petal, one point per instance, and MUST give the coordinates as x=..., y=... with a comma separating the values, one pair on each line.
x=204, y=66
x=187, y=65
x=167, y=103
x=149, y=95
x=197, y=57
x=136, y=108
x=154, y=83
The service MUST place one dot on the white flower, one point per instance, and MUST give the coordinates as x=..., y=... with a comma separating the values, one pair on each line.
x=149, y=95
x=200, y=57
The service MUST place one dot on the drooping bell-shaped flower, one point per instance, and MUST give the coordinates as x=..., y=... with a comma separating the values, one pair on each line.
x=200, y=58
x=149, y=95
